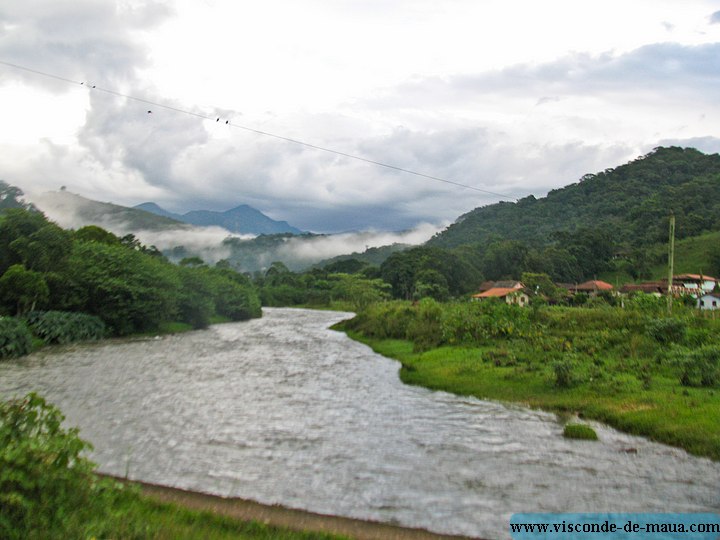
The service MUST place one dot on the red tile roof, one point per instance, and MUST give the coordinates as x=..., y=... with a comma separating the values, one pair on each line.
x=695, y=277
x=496, y=292
x=594, y=285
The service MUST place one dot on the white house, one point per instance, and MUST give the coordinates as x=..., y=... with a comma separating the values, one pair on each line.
x=512, y=296
x=709, y=301
x=695, y=283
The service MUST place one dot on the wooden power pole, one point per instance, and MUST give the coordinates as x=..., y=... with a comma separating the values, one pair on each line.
x=671, y=261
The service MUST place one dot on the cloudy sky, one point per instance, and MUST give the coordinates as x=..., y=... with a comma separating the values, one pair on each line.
x=513, y=97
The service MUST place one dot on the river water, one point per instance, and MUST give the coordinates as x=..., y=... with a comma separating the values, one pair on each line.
x=284, y=410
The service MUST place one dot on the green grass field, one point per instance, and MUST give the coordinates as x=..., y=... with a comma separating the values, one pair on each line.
x=643, y=373
x=688, y=418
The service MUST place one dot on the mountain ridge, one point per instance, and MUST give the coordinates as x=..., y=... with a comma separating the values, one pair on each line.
x=242, y=219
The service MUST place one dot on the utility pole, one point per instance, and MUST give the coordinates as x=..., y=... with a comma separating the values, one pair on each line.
x=671, y=260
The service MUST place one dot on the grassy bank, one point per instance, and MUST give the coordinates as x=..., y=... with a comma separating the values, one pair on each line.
x=635, y=368
x=136, y=516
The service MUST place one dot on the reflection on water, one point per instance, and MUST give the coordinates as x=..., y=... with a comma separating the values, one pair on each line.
x=283, y=410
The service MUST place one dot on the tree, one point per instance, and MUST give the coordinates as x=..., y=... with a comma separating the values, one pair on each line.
x=17, y=224
x=195, y=300
x=431, y=284
x=129, y=290
x=505, y=260
x=403, y=269
x=46, y=249
x=346, y=266
x=11, y=197
x=360, y=292
x=541, y=284
x=93, y=233
x=22, y=290
x=192, y=261
x=233, y=294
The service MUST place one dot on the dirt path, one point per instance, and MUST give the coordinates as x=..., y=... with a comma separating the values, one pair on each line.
x=280, y=516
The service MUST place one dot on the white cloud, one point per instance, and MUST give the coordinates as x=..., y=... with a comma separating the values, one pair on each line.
x=506, y=96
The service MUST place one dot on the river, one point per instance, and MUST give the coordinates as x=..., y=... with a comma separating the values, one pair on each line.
x=283, y=410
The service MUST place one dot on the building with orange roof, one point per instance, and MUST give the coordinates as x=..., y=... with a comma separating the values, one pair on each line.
x=512, y=295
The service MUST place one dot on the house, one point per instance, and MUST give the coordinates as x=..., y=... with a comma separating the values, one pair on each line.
x=656, y=288
x=592, y=287
x=512, y=295
x=709, y=301
x=694, y=283
x=508, y=284
x=486, y=286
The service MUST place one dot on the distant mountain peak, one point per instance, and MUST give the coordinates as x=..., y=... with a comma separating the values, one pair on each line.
x=242, y=219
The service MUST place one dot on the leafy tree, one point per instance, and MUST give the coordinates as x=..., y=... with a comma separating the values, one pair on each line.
x=12, y=197
x=46, y=249
x=93, y=233
x=233, y=294
x=541, y=284
x=195, y=301
x=403, y=269
x=192, y=261
x=399, y=271
x=22, y=290
x=431, y=284
x=360, y=292
x=346, y=266
x=278, y=274
x=128, y=290
x=505, y=260
x=17, y=224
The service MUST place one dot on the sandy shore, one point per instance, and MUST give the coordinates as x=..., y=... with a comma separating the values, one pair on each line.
x=289, y=518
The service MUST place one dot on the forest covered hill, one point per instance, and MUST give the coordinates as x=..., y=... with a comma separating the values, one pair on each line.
x=631, y=202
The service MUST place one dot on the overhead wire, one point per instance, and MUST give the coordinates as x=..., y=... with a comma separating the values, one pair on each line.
x=232, y=124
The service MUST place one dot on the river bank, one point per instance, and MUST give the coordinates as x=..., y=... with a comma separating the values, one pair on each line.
x=282, y=410
x=601, y=364
x=279, y=519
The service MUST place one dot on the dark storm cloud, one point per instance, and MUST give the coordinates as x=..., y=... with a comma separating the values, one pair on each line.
x=81, y=40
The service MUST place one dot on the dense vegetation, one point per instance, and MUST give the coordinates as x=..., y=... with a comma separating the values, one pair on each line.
x=608, y=222
x=77, y=285
x=631, y=201
x=634, y=367
x=48, y=490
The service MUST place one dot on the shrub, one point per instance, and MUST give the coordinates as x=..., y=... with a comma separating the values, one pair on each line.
x=43, y=478
x=563, y=370
x=65, y=327
x=15, y=338
x=668, y=330
x=579, y=431
x=700, y=367
x=425, y=330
